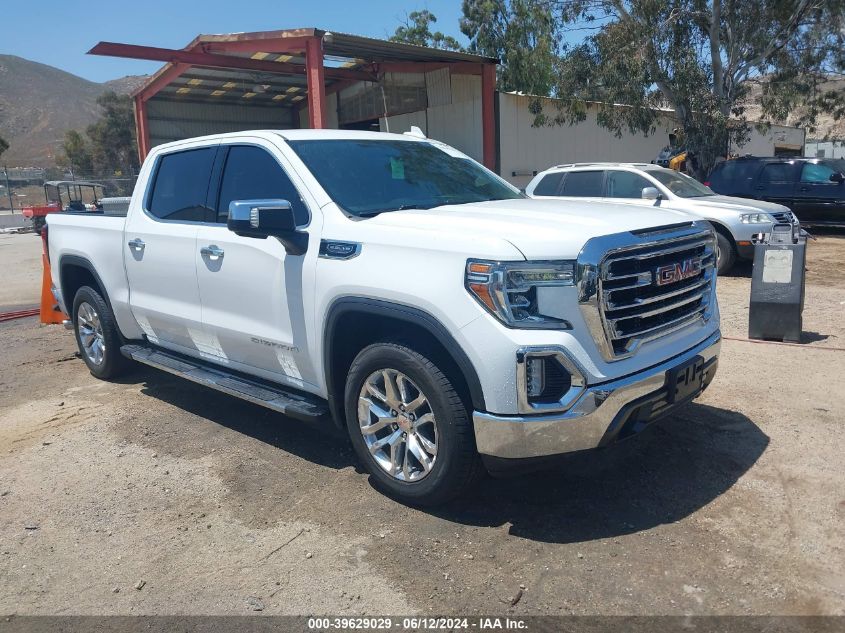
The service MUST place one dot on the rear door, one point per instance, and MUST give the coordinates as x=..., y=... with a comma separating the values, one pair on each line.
x=253, y=293
x=159, y=248
x=819, y=199
x=587, y=185
x=776, y=182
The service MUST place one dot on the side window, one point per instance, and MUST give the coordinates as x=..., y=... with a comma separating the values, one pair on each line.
x=586, y=184
x=625, y=184
x=180, y=187
x=251, y=173
x=549, y=185
x=816, y=172
x=776, y=172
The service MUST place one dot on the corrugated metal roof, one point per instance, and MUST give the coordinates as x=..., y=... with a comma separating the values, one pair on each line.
x=340, y=50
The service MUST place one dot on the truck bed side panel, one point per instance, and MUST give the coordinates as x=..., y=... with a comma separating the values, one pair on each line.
x=98, y=239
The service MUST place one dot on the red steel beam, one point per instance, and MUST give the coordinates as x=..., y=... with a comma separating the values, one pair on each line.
x=194, y=58
x=160, y=80
x=315, y=74
x=142, y=127
x=488, y=116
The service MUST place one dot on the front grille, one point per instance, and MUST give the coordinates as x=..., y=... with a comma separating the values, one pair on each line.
x=784, y=218
x=647, y=291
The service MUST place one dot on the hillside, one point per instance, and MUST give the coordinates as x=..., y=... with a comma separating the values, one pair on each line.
x=39, y=103
x=826, y=125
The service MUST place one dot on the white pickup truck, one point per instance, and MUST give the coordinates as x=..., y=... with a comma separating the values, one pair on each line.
x=394, y=287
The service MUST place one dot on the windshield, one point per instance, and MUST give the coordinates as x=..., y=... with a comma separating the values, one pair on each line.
x=680, y=184
x=367, y=177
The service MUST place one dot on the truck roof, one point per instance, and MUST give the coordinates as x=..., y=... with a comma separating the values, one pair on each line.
x=296, y=135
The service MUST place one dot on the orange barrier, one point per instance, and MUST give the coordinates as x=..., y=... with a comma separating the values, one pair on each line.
x=50, y=311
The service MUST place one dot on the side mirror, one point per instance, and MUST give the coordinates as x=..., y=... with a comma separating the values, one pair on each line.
x=267, y=218
x=837, y=177
x=650, y=193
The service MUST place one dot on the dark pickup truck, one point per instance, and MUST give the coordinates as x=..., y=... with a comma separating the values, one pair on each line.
x=813, y=188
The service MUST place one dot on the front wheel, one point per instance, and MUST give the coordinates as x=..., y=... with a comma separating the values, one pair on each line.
x=725, y=254
x=409, y=426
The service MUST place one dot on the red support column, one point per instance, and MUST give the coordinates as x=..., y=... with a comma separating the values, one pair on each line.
x=315, y=75
x=142, y=129
x=488, y=115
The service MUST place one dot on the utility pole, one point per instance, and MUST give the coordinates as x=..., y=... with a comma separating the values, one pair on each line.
x=8, y=188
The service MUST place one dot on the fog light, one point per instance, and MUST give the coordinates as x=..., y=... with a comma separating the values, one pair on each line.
x=535, y=376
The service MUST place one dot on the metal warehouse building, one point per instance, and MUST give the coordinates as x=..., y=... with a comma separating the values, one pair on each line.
x=313, y=78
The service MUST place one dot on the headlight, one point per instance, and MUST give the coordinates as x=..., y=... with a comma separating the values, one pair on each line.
x=510, y=290
x=756, y=218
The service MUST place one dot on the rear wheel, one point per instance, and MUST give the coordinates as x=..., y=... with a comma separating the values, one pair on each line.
x=97, y=335
x=725, y=254
x=409, y=426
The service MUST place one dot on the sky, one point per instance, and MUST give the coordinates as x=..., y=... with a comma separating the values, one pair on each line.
x=60, y=32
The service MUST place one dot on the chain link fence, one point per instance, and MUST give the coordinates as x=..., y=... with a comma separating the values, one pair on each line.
x=21, y=188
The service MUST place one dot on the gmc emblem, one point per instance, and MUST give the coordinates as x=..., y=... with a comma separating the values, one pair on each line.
x=673, y=273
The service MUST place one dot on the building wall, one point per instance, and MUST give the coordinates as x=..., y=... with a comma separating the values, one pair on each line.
x=176, y=120
x=774, y=141
x=824, y=149
x=331, y=113
x=525, y=149
x=456, y=119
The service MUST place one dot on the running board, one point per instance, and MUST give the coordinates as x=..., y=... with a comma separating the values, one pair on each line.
x=288, y=402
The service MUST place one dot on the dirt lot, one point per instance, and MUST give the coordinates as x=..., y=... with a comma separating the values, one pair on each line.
x=153, y=495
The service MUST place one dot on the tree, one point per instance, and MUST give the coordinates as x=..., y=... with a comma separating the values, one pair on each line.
x=416, y=29
x=522, y=34
x=77, y=154
x=4, y=145
x=110, y=147
x=701, y=58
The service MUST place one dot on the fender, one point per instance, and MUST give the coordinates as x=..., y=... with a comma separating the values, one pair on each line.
x=401, y=312
x=76, y=260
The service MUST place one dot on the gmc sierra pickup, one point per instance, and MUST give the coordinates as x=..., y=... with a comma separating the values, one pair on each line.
x=394, y=286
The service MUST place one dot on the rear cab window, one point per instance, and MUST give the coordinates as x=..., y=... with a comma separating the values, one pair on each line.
x=583, y=184
x=179, y=189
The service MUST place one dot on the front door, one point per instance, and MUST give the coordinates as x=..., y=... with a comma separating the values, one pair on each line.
x=253, y=293
x=819, y=199
x=159, y=246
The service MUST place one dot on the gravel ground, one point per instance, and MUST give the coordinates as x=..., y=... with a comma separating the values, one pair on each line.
x=153, y=495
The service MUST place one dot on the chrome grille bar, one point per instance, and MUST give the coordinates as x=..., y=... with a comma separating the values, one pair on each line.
x=646, y=285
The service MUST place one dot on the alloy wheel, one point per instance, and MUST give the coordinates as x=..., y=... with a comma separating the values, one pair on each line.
x=91, y=333
x=398, y=425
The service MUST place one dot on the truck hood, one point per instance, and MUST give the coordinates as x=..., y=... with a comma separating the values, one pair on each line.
x=742, y=205
x=540, y=229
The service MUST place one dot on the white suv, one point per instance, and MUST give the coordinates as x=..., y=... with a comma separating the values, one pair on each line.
x=736, y=220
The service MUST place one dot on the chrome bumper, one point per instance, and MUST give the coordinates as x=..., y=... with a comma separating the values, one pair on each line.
x=601, y=415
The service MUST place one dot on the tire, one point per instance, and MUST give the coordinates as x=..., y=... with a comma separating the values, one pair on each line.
x=97, y=335
x=441, y=422
x=725, y=254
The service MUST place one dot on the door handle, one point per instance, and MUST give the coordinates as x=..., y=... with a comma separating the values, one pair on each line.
x=212, y=251
x=136, y=244
x=804, y=189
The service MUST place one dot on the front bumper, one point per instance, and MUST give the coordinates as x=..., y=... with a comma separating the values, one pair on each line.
x=603, y=413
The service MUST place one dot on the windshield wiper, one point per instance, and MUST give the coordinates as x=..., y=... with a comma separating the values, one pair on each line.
x=372, y=214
